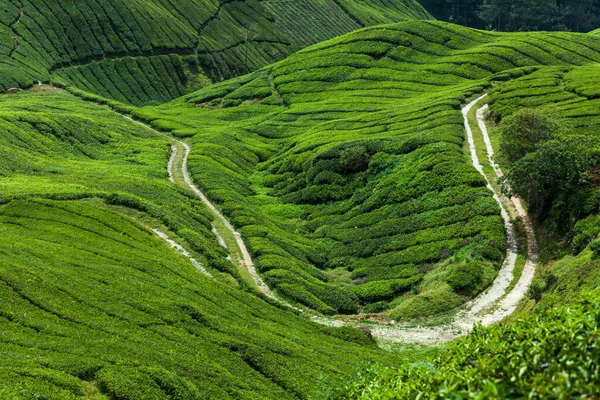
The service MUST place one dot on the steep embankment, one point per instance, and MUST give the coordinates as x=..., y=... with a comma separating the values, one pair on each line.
x=344, y=169
x=93, y=304
x=155, y=51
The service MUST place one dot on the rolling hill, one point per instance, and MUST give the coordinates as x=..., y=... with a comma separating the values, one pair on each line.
x=344, y=167
x=157, y=50
x=95, y=305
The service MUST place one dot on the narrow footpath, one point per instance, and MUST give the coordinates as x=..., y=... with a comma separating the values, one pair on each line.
x=495, y=303
x=227, y=236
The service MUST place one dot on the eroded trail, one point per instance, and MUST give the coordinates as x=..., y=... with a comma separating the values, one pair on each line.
x=491, y=306
x=177, y=168
x=495, y=303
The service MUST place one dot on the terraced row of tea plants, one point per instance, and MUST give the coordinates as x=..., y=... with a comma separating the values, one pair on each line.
x=135, y=80
x=204, y=39
x=344, y=164
x=94, y=305
x=307, y=23
x=551, y=353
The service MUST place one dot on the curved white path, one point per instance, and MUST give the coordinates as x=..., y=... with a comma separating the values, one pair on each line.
x=491, y=306
x=245, y=259
x=182, y=251
x=494, y=304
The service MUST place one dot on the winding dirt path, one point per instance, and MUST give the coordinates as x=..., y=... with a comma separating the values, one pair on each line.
x=245, y=260
x=180, y=152
x=182, y=251
x=494, y=304
x=491, y=306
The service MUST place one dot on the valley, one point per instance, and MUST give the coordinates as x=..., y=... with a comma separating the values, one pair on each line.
x=294, y=199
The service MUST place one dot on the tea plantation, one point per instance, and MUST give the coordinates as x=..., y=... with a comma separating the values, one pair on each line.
x=330, y=134
x=344, y=164
x=95, y=305
x=157, y=50
x=551, y=356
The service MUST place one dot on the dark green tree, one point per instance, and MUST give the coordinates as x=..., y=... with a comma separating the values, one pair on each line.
x=580, y=15
x=523, y=130
x=553, y=181
x=520, y=15
x=462, y=12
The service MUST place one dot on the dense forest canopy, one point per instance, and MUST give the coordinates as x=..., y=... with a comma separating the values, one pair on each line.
x=519, y=15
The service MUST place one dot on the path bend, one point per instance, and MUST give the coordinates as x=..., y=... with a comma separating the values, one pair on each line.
x=180, y=152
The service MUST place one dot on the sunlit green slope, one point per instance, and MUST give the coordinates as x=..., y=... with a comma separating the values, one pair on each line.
x=571, y=265
x=157, y=50
x=344, y=165
x=552, y=353
x=94, y=305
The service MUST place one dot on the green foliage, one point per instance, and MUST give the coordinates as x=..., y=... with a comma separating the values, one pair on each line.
x=466, y=278
x=94, y=304
x=523, y=15
x=377, y=307
x=567, y=190
x=518, y=15
x=552, y=181
x=522, y=131
x=595, y=246
x=553, y=355
x=154, y=51
x=382, y=290
x=428, y=303
x=354, y=335
x=349, y=154
x=585, y=231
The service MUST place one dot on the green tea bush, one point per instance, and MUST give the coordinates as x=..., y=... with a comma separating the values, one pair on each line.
x=466, y=278
x=385, y=290
x=374, y=308
x=351, y=334
x=585, y=231
x=362, y=144
x=426, y=304
x=552, y=355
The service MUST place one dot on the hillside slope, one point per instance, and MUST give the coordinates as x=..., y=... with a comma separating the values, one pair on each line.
x=552, y=353
x=158, y=50
x=570, y=258
x=93, y=304
x=344, y=166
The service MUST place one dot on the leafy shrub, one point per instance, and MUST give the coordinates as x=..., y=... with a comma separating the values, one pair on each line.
x=125, y=382
x=521, y=132
x=350, y=334
x=354, y=159
x=553, y=355
x=377, y=307
x=595, y=246
x=426, y=304
x=552, y=181
x=466, y=278
x=383, y=290
x=585, y=231
x=303, y=296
